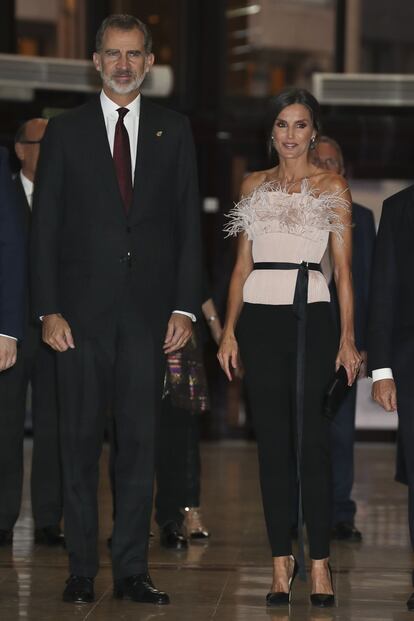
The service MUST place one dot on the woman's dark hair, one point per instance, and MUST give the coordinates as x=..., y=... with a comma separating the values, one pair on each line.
x=124, y=22
x=288, y=97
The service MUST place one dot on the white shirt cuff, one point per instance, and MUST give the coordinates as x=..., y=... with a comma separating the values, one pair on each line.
x=381, y=374
x=192, y=317
x=7, y=336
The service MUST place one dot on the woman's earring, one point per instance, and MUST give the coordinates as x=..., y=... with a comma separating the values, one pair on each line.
x=312, y=144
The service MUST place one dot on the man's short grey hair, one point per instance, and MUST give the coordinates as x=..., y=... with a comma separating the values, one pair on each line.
x=122, y=21
x=335, y=145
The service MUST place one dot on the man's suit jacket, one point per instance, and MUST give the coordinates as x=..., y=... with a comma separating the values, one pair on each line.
x=391, y=324
x=363, y=242
x=32, y=329
x=23, y=208
x=12, y=256
x=84, y=247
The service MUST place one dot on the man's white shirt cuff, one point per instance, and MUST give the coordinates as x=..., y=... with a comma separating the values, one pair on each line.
x=192, y=317
x=9, y=337
x=381, y=374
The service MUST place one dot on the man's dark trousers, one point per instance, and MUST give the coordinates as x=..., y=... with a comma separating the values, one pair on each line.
x=343, y=426
x=342, y=439
x=36, y=364
x=92, y=377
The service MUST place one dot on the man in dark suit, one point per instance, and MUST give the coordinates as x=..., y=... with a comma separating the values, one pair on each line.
x=391, y=327
x=12, y=269
x=35, y=364
x=328, y=155
x=116, y=272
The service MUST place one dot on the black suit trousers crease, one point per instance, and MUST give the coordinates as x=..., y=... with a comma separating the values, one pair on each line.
x=122, y=369
x=35, y=364
x=402, y=369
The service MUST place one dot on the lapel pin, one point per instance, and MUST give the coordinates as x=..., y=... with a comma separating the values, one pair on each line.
x=159, y=133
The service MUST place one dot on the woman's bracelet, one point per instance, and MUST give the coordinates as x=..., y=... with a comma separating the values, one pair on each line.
x=211, y=319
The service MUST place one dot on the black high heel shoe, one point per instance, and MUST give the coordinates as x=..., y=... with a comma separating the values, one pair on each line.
x=324, y=600
x=280, y=598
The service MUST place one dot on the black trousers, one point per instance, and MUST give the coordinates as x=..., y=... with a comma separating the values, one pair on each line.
x=402, y=369
x=268, y=342
x=178, y=463
x=35, y=364
x=121, y=369
x=343, y=438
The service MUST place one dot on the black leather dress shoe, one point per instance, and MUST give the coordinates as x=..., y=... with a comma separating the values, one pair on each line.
x=410, y=602
x=6, y=537
x=50, y=536
x=346, y=531
x=140, y=588
x=172, y=537
x=79, y=590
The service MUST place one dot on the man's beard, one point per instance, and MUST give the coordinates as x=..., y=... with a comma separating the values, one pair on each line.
x=123, y=89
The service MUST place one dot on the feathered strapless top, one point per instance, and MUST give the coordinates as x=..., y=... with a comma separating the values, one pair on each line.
x=291, y=227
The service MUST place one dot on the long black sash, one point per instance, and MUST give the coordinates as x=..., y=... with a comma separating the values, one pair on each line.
x=300, y=303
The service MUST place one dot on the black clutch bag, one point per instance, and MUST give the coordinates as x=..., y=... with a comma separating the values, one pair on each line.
x=336, y=393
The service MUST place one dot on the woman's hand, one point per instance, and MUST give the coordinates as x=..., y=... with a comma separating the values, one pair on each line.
x=349, y=357
x=228, y=354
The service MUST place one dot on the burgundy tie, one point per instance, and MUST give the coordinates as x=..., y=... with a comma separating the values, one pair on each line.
x=122, y=159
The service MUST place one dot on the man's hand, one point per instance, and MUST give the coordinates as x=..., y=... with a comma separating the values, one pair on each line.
x=178, y=332
x=57, y=333
x=8, y=352
x=384, y=392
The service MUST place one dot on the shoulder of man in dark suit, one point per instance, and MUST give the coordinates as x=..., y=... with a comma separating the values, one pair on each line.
x=362, y=255
x=361, y=214
x=404, y=196
x=12, y=255
x=384, y=282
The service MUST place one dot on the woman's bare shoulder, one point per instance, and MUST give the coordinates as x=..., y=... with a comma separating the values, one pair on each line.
x=332, y=182
x=252, y=181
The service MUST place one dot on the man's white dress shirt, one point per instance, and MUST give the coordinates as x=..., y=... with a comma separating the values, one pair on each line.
x=28, y=188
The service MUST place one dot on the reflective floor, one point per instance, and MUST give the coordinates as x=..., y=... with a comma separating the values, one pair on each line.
x=228, y=578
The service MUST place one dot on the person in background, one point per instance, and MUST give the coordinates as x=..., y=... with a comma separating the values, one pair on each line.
x=13, y=326
x=328, y=155
x=177, y=500
x=391, y=328
x=12, y=268
x=35, y=366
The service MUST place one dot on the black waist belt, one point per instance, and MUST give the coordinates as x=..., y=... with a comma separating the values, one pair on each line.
x=300, y=303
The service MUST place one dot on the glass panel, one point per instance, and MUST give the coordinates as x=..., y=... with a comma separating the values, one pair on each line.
x=386, y=36
x=53, y=28
x=273, y=43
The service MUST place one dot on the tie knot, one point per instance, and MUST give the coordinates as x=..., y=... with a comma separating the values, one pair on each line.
x=122, y=113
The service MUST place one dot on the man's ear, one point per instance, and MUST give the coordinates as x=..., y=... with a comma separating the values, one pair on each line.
x=97, y=61
x=19, y=149
x=149, y=61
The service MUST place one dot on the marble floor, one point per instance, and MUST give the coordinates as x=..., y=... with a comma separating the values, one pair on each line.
x=228, y=578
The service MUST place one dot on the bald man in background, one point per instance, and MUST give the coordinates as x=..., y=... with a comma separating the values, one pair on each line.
x=35, y=365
